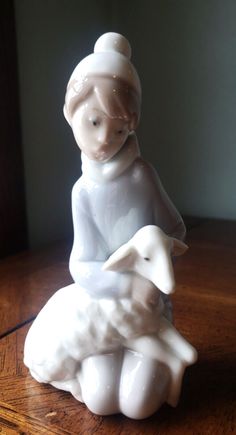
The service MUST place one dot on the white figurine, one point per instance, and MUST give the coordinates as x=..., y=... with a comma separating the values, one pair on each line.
x=108, y=338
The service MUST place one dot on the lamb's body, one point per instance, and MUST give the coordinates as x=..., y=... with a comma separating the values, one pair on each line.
x=73, y=325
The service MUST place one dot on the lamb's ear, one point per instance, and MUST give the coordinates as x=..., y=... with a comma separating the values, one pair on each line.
x=179, y=247
x=122, y=259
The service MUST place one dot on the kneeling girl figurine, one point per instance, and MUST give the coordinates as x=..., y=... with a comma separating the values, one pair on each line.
x=108, y=338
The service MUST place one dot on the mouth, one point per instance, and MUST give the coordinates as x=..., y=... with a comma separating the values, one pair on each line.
x=101, y=156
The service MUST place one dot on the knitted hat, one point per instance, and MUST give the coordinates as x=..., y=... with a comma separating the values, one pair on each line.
x=111, y=57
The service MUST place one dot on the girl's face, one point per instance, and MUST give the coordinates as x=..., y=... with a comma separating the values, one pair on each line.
x=99, y=136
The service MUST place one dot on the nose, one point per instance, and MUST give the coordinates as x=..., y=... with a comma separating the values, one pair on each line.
x=104, y=136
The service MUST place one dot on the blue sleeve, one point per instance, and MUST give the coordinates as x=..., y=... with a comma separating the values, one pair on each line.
x=90, y=251
x=166, y=216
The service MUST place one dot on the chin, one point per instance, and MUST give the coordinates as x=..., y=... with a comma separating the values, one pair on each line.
x=103, y=157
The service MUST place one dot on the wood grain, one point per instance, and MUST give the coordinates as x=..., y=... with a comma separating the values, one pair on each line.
x=27, y=280
x=204, y=313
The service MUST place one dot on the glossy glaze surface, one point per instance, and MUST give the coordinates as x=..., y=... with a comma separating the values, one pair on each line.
x=108, y=338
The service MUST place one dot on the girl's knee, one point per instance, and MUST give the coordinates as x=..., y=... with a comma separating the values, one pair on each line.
x=144, y=386
x=99, y=379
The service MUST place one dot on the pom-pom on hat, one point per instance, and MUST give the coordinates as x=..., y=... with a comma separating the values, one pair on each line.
x=111, y=58
x=113, y=42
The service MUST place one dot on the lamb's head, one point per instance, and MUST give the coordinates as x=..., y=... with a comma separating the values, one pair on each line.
x=149, y=254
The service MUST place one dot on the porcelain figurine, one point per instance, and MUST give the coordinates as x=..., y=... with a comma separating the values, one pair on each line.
x=108, y=338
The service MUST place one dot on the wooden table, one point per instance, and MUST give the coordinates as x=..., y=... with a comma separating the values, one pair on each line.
x=204, y=313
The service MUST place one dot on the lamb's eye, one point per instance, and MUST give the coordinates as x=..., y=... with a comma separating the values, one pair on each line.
x=119, y=131
x=146, y=259
x=95, y=123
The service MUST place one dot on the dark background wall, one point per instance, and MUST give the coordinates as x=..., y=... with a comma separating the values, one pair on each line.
x=184, y=52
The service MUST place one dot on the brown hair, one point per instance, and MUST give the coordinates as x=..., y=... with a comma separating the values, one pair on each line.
x=123, y=101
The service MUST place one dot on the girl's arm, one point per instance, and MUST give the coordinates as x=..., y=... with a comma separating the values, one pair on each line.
x=166, y=216
x=90, y=251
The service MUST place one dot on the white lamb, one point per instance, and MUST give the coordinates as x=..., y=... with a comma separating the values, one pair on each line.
x=74, y=325
x=148, y=253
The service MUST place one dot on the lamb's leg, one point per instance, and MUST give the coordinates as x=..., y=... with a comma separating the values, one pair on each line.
x=169, y=335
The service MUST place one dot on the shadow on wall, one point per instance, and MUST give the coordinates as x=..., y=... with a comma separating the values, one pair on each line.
x=187, y=65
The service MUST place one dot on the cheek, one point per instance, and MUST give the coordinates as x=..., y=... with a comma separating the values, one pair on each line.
x=83, y=141
x=120, y=140
x=77, y=135
x=80, y=134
